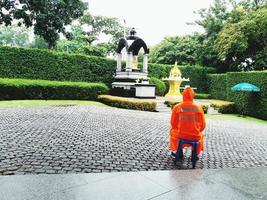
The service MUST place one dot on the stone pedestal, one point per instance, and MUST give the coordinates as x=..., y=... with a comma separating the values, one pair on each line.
x=145, y=91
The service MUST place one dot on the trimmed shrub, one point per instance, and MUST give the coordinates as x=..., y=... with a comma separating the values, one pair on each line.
x=218, y=86
x=248, y=103
x=224, y=107
x=56, y=66
x=134, y=104
x=48, y=65
x=202, y=96
x=160, y=86
x=18, y=89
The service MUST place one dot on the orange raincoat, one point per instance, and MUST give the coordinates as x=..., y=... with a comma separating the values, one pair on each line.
x=187, y=121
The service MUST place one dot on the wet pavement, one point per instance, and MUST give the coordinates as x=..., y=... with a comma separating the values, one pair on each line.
x=90, y=139
x=219, y=184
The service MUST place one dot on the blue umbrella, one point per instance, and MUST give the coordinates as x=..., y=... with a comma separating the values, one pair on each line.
x=246, y=87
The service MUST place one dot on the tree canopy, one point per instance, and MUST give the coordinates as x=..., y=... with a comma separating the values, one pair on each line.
x=235, y=38
x=244, y=39
x=48, y=18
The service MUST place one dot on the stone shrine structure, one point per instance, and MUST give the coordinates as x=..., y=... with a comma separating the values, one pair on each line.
x=130, y=81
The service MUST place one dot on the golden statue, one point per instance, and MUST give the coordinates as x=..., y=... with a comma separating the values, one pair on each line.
x=175, y=79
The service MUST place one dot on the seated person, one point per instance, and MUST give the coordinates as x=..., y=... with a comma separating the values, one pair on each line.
x=187, y=122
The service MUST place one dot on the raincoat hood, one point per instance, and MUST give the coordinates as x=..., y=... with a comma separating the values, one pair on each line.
x=188, y=94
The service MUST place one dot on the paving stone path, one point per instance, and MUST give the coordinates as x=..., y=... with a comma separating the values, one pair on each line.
x=73, y=139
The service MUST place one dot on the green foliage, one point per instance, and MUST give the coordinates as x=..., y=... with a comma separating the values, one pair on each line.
x=217, y=86
x=205, y=108
x=39, y=43
x=101, y=25
x=80, y=41
x=244, y=38
x=49, y=18
x=224, y=107
x=68, y=46
x=14, y=36
x=185, y=50
x=202, y=96
x=94, y=50
x=212, y=20
x=248, y=4
x=120, y=102
x=248, y=103
x=12, y=89
x=47, y=65
x=160, y=86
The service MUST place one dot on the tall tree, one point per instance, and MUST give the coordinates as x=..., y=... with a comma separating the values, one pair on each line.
x=246, y=39
x=85, y=36
x=49, y=17
x=98, y=25
x=184, y=50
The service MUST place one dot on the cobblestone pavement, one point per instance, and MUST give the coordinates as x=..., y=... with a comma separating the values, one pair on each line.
x=70, y=139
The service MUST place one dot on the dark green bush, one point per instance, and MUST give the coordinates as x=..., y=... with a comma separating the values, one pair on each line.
x=217, y=86
x=160, y=86
x=202, y=96
x=224, y=107
x=48, y=65
x=248, y=103
x=18, y=89
x=120, y=102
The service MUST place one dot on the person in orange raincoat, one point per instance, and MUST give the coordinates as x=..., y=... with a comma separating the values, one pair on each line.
x=187, y=121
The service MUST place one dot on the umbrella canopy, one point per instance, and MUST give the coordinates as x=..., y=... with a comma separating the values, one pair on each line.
x=247, y=87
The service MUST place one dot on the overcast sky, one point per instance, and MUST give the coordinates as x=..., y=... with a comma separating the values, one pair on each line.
x=153, y=19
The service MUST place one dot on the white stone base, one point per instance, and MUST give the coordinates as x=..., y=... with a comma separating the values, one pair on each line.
x=144, y=91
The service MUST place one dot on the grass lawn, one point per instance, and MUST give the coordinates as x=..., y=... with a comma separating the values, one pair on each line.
x=235, y=117
x=30, y=103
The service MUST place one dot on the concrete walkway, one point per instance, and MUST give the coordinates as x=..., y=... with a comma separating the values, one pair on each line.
x=223, y=184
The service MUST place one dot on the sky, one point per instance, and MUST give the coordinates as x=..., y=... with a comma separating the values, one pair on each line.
x=153, y=19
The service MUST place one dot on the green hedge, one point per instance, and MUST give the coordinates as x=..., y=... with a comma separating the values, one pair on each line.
x=198, y=75
x=18, y=89
x=224, y=107
x=47, y=65
x=121, y=102
x=160, y=86
x=255, y=104
x=202, y=96
x=217, y=86
x=248, y=103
